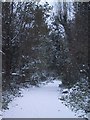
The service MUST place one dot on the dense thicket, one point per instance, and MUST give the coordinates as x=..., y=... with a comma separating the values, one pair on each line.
x=37, y=44
x=25, y=32
x=69, y=37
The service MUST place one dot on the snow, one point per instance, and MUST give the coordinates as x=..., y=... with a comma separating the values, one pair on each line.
x=2, y=52
x=39, y=102
x=51, y=2
x=65, y=91
x=15, y=74
x=88, y=116
x=0, y=115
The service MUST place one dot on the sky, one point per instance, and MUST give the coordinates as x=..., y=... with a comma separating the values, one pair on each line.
x=49, y=1
x=54, y=3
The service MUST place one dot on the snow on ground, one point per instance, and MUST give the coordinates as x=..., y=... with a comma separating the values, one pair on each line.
x=39, y=102
x=0, y=115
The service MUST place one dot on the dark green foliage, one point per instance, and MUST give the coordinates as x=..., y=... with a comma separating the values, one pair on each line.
x=70, y=56
x=24, y=28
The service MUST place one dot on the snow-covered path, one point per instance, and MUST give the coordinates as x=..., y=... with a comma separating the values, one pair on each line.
x=39, y=102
